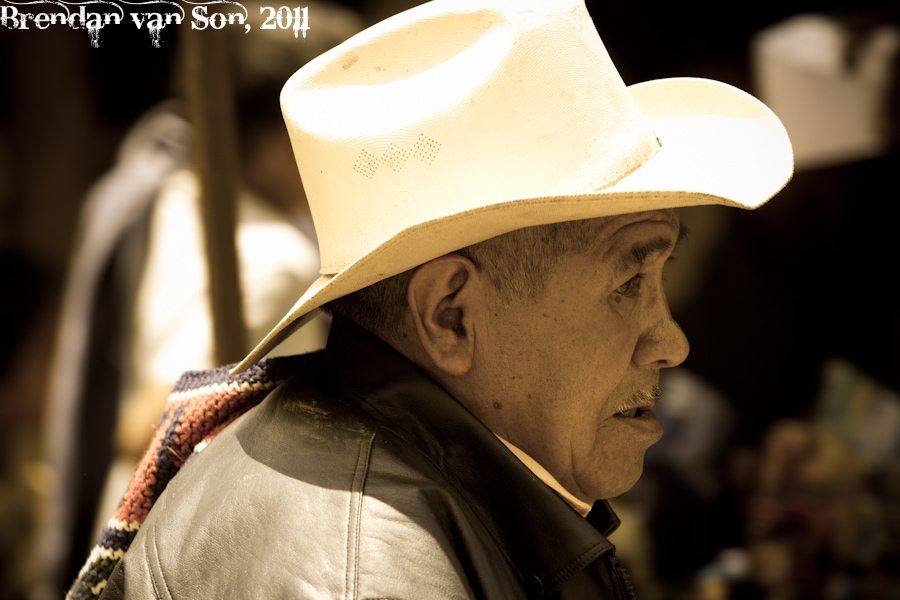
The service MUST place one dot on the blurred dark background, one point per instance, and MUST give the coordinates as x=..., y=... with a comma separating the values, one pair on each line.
x=809, y=278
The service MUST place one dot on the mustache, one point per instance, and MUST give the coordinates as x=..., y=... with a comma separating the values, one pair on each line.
x=641, y=399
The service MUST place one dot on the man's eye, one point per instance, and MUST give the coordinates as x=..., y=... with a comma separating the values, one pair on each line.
x=630, y=287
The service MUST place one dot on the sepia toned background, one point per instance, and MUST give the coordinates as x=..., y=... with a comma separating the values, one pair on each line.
x=780, y=472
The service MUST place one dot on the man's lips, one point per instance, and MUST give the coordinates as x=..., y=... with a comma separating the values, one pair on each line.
x=639, y=404
x=641, y=423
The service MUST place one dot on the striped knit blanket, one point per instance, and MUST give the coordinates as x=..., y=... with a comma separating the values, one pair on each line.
x=200, y=406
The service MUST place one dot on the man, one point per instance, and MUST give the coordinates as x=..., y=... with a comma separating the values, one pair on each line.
x=494, y=211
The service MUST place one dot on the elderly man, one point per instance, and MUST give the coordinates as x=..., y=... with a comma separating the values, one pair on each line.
x=494, y=211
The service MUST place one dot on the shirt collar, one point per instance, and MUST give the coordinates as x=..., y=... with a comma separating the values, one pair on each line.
x=582, y=508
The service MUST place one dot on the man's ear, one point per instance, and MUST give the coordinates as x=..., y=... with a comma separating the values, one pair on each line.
x=442, y=296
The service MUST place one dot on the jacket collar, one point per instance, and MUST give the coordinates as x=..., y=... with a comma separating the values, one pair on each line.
x=514, y=505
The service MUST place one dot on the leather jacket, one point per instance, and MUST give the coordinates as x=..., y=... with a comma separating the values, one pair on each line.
x=361, y=478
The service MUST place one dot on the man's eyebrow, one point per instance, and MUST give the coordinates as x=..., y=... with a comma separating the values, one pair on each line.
x=638, y=252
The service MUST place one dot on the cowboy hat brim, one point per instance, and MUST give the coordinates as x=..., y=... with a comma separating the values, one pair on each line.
x=718, y=145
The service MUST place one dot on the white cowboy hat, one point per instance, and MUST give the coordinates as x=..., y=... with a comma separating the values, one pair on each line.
x=460, y=120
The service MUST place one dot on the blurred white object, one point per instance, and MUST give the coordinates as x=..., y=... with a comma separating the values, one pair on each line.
x=172, y=324
x=835, y=109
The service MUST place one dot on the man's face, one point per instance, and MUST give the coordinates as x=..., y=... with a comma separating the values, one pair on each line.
x=564, y=370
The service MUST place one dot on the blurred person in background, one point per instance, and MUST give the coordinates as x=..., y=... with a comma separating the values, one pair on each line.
x=136, y=309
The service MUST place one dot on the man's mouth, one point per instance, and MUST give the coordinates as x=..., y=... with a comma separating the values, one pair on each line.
x=640, y=404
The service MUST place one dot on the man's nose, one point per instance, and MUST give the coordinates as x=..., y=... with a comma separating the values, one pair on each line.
x=664, y=344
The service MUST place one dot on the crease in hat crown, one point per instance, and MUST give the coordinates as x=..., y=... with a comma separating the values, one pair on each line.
x=457, y=121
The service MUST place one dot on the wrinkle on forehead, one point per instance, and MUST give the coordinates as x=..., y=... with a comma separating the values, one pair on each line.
x=606, y=228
